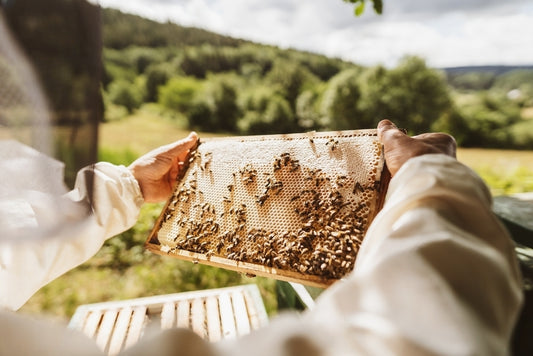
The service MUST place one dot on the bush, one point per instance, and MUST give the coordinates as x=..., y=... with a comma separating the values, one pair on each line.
x=179, y=93
x=124, y=93
x=486, y=120
x=277, y=117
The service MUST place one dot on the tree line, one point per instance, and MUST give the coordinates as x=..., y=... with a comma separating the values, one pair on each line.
x=215, y=83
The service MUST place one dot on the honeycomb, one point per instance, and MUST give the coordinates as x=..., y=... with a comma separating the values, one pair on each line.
x=293, y=207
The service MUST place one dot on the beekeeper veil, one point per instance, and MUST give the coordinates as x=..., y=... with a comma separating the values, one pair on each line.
x=49, y=109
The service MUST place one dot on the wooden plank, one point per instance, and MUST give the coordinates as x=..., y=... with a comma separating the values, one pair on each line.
x=92, y=323
x=121, y=330
x=253, y=316
x=303, y=295
x=106, y=329
x=229, y=330
x=198, y=317
x=78, y=320
x=136, y=325
x=241, y=314
x=168, y=315
x=214, y=331
x=183, y=314
x=252, y=292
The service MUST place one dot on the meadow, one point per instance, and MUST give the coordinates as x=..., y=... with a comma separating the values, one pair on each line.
x=123, y=269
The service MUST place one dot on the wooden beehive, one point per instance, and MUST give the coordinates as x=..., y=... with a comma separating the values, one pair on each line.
x=294, y=207
x=214, y=314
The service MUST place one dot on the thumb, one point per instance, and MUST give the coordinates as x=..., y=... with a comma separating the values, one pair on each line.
x=387, y=130
x=181, y=146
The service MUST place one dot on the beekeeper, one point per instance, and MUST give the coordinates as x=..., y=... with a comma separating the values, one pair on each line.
x=436, y=273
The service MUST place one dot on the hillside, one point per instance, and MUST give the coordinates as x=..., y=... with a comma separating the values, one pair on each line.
x=493, y=69
x=122, y=30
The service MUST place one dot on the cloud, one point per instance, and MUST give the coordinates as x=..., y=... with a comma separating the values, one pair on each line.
x=445, y=32
x=443, y=7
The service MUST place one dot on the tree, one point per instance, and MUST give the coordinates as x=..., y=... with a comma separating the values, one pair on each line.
x=156, y=76
x=486, y=119
x=307, y=114
x=340, y=102
x=277, y=117
x=124, y=93
x=291, y=79
x=222, y=100
x=179, y=93
x=412, y=95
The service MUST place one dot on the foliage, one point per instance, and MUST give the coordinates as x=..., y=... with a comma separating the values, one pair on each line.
x=126, y=94
x=122, y=30
x=519, y=79
x=225, y=86
x=221, y=96
x=486, y=119
x=340, y=101
x=416, y=96
x=412, y=95
x=179, y=93
x=360, y=6
x=472, y=80
x=290, y=79
x=276, y=117
x=307, y=109
x=522, y=134
x=156, y=76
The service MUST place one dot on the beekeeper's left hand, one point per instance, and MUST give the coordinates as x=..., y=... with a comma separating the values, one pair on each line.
x=157, y=170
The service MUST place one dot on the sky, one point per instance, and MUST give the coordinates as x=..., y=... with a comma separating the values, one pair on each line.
x=446, y=33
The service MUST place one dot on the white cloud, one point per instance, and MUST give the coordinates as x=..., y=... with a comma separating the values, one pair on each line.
x=445, y=32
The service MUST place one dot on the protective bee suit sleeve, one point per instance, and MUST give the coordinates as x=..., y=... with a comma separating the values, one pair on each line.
x=436, y=275
x=105, y=201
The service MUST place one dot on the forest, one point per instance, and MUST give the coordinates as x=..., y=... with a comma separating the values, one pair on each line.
x=216, y=83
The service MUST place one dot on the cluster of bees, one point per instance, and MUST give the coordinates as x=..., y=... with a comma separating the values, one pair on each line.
x=330, y=227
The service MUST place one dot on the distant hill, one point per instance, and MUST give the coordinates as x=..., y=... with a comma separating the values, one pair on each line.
x=487, y=77
x=121, y=30
x=492, y=69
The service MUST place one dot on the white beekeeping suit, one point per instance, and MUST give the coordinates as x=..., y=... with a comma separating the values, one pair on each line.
x=46, y=230
x=436, y=275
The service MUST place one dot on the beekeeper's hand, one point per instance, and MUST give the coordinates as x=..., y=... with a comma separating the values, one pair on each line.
x=157, y=170
x=399, y=147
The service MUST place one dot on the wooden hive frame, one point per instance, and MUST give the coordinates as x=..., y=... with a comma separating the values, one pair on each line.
x=309, y=198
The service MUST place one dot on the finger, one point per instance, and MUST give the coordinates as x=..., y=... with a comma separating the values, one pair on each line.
x=180, y=147
x=387, y=130
x=185, y=144
x=383, y=126
x=442, y=141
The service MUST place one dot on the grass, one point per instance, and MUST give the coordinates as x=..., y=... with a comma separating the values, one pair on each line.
x=141, y=132
x=123, y=269
x=504, y=171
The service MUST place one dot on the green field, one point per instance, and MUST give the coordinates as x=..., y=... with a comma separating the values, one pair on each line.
x=122, y=269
